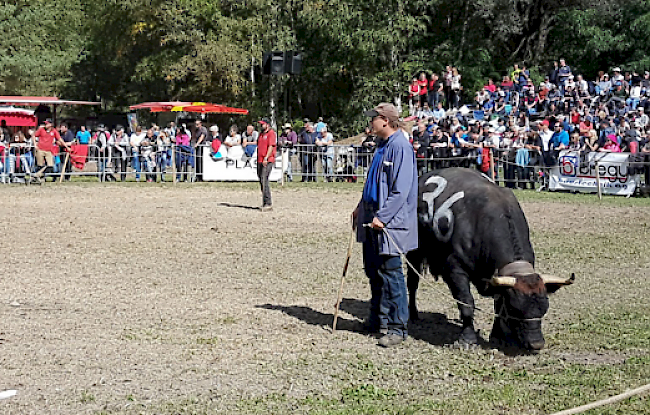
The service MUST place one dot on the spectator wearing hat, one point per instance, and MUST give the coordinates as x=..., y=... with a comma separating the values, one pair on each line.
x=288, y=140
x=266, y=150
x=617, y=77
x=320, y=125
x=217, y=152
x=611, y=144
x=386, y=223
x=47, y=137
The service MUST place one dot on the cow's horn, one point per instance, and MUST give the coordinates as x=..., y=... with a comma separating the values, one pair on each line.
x=503, y=281
x=552, y=279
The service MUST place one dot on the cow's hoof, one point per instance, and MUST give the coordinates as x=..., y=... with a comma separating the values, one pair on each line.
x=469, y=336
x=462, y=345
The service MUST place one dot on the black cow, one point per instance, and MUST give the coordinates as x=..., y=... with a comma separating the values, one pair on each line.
x=472, y=230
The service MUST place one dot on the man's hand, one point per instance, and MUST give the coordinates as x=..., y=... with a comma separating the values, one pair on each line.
x=376, y=224
x=265, y=162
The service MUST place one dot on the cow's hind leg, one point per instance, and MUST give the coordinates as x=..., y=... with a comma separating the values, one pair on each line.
x=458, y=282
x=413, y=281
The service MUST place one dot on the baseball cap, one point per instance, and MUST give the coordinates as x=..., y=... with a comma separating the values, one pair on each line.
x=264, y=121
x=287, y=125
x=385, y=110
x=546, y=123
x=617, y=69
x=48, y=121
x=214, y=128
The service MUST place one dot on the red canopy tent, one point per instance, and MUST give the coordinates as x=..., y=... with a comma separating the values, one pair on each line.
x=36, y=101
x=18, y=117
x=178, y=106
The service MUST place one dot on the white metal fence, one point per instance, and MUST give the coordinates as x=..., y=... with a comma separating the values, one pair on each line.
x=308, y=163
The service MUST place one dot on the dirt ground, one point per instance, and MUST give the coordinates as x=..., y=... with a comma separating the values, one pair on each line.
x=163, y=299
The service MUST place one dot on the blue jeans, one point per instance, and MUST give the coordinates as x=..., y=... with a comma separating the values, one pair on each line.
x=135, y=162
x=327, y=162
x=389, y=301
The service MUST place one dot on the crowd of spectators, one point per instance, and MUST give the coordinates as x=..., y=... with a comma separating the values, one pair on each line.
x=145, y=153
x=526, y=125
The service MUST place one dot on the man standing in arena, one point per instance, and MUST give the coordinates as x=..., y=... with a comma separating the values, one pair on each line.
x=266, y=148
x=47, y=137
x=386, y=221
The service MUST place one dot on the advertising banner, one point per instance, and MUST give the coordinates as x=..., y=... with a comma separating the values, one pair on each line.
x=576, y=172
x=235, y=169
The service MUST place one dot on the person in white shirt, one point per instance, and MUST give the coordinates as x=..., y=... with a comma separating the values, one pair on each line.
x=232, y=143
x=136, y=162
x=324, y=143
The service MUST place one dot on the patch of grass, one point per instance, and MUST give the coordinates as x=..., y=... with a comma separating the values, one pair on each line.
x=86, y=397
x=580, y=199
x=226, y=320
x=618, y=329
x=209, y=341
x=366, y=392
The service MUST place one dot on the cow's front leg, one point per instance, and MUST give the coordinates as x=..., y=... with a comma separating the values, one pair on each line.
x=413, y=281
x=458, y=282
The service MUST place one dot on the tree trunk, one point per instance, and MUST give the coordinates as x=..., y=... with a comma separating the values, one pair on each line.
x=464, y=31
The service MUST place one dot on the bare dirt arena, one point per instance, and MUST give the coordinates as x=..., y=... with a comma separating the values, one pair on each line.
x=162, y=299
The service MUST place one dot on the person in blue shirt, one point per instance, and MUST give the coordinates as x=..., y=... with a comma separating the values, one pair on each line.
x=83, y=136
x=559, y=139
x=387, y=225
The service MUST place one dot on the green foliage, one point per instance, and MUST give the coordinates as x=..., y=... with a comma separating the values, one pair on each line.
x=40, y=41
x=356, y=53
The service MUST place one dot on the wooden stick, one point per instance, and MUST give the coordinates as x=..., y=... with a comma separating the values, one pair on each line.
x=608, y=401
x=67, y=158
x=491, y=165
x=600, y=192
x=345, y=271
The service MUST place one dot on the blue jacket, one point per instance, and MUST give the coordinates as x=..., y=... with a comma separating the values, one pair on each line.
x=397, y=194
x=559, y=138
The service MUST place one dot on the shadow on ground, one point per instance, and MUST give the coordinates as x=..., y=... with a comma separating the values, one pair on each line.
x=434, y=328
x=234, y=205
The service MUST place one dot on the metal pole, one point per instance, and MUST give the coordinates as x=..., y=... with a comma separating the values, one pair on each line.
x=600, y=193
x=491, y=165
x=174, y=161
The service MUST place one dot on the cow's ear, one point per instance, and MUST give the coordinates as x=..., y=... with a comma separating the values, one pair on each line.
x=553, y=284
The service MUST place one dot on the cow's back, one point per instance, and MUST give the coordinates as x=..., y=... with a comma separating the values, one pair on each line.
x=463, y=213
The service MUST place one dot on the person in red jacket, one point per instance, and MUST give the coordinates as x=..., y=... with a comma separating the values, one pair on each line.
x=423, y=83
x=266, y=148
x=47, y=137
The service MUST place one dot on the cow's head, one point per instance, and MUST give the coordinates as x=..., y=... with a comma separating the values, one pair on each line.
x=520, y=302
